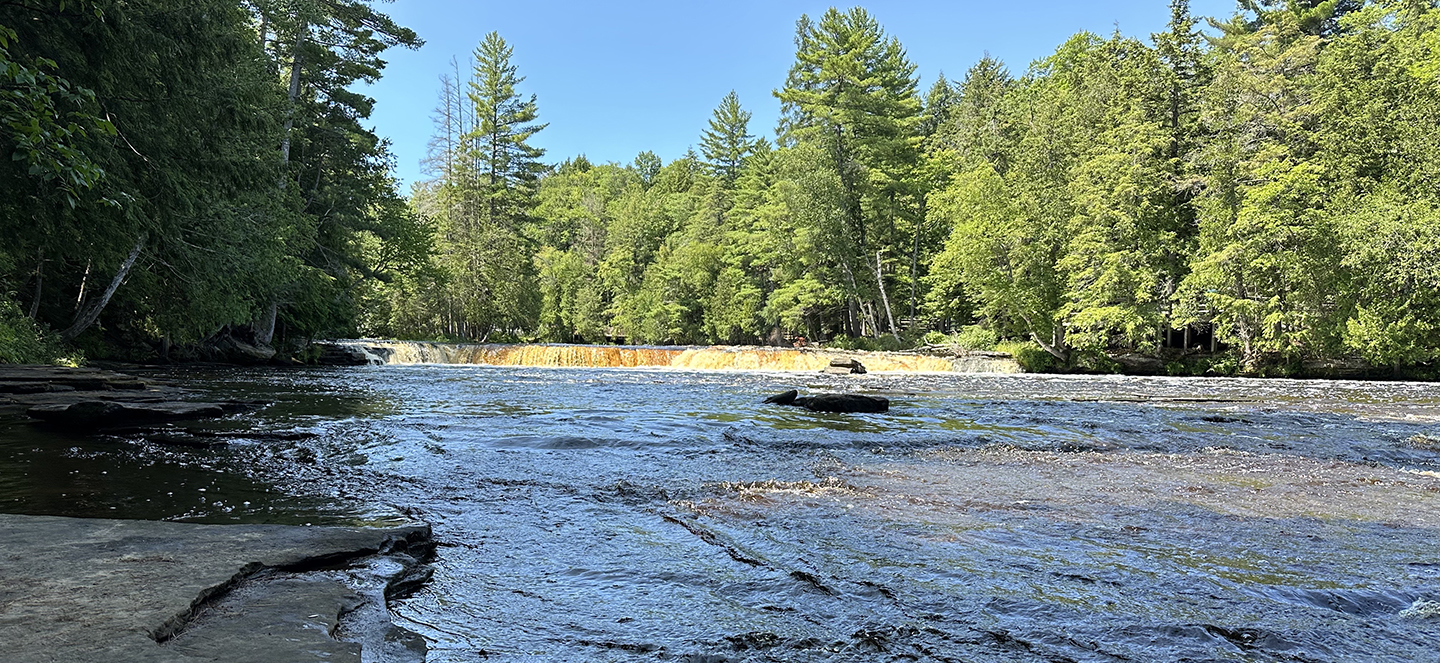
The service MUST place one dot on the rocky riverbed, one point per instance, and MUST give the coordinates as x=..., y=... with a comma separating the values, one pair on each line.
x=84, y=589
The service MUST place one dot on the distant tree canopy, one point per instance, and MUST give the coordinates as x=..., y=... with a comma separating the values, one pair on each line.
x=1269, y=183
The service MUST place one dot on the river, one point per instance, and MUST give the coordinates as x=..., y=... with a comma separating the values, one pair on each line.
x=637, y=515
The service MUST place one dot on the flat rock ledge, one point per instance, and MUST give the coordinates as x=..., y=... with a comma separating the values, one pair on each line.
x=123, y=591
x=92, y=400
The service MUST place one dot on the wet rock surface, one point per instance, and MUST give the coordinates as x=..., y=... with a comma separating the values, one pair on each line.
x=349, y=354
x=835, y=403
x=846, y=403
x=845, y=366
x=86, y=414
x=784, y=398
x=93, y=399
x=125, y=590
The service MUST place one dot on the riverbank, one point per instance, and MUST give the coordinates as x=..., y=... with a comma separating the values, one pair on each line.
x=1007, y=358
x=118, y=591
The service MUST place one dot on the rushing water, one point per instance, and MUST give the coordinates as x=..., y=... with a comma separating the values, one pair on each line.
x=636, y=515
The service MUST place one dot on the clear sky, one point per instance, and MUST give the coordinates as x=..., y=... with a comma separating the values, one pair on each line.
x=617, y=78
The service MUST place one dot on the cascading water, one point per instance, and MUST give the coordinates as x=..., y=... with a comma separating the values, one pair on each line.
x=713, y=358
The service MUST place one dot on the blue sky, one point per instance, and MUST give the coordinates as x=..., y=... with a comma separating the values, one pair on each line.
x=616, y=78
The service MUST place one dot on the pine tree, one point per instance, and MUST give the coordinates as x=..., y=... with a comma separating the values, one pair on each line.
x=939, y=102
x=494, y=192
x=977, y=128
x=728, y=141
x=852, y=91
x=507, y=166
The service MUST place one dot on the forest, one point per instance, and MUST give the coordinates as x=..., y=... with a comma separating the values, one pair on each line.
x=1242, y=194
x=191, y=174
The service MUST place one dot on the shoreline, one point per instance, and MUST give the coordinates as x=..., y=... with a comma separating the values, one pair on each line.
x=809, y=359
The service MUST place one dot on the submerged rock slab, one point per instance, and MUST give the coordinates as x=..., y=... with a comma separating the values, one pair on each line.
x=121, y=591
x=96, y=413
x=27, y=386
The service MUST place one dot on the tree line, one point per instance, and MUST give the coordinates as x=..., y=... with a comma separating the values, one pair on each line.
x=1265, y=185
x=179, y=171
x=183, y=172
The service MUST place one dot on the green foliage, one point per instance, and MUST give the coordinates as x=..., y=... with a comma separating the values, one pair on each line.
x=47, y=120
x=1031, y=357
x=970, y=337
x=24, y=342
x=1272, y=182
x=843, y=342
x=976, y=337
x=176, y=217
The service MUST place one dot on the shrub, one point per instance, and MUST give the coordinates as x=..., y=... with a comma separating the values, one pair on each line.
x=1030, y=356
x=24, y=342
x=975, y=337
x=843, y=342
x=889, y=343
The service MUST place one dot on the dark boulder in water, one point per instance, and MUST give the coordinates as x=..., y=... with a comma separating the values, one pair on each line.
x=832, y=402
x=847, y=403
x=845, y=366
x=787, y=398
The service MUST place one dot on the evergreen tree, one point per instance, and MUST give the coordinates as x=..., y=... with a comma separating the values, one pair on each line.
x=977, y=128
x=727, y=142
x=852, y=91
x=1262, y=274
x=939, y=102
x=493, y=193
x=507, y=166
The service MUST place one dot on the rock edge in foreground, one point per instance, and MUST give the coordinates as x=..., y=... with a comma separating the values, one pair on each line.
x=121, y=591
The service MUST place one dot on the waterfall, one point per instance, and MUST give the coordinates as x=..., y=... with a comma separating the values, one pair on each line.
x=713, y=358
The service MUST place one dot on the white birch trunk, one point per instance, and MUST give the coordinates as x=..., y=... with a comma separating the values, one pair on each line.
x=91, y=314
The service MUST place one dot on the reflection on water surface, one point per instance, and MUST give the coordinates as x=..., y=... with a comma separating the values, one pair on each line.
x=631, y=515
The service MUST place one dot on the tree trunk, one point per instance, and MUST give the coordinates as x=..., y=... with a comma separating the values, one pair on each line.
x=295, y=63
x=84, y=283
x=265, y=326
x=39, y=285
x=91, y=314
x=880, y=279
x=1056, y=347
x=264, y=29
x=915, y=264
x=871, y=319
x=264, y=329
